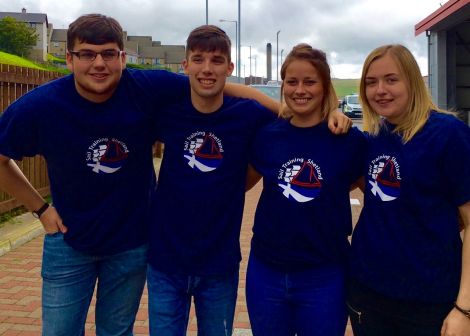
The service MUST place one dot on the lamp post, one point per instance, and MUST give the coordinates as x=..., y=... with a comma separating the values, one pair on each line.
x=236, y=43
x=239, y=40
x=277, y=55
x=255, y=56
x=250, y=64
x=207, y=12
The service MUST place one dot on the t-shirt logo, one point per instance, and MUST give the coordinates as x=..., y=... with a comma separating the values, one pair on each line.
x=300, y=180
x=384, y=178
x=204, y=151
x=106, y=155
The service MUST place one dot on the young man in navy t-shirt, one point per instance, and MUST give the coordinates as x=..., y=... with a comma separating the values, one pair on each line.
x=96, y=136
x=194, y=240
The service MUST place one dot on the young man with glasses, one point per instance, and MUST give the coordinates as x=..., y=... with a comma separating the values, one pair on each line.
x=95, y=131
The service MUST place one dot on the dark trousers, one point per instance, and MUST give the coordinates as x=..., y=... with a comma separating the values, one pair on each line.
x=373, y=314
x=309, y=302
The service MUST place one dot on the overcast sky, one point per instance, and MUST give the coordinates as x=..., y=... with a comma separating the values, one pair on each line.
x=347, y=30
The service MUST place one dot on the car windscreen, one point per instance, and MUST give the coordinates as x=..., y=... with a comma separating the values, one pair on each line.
x=353, y=100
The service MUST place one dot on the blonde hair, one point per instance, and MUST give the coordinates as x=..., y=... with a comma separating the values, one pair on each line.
x=317, y=59
x=419, y=104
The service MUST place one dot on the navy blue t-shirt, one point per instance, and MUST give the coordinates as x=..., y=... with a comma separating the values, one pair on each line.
x=98, y=156
x=201, y=187
x=406, y=244
x=303, y=218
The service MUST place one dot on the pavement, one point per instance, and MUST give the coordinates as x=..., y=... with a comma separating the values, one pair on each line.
x=20, y=276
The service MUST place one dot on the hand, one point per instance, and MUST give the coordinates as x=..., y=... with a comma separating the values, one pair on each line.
x=456, y=324
x=338, y=123
x=52, y=222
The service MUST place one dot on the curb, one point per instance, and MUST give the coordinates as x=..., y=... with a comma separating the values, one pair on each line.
x=20, y=233
x=242, y=332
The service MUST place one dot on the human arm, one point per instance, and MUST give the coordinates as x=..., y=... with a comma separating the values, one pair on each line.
x=16, y=184
x=252, y=177
x=338, y=123
x=457, y=323
x=243, y=91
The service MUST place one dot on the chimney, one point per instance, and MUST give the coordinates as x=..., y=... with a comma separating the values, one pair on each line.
x=23, y=10
x=268, y=62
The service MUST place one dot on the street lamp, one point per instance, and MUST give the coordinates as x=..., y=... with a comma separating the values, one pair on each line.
x=250, y=64
x=277, y=55
x=237, y=60
x=207, y=12
x=255, y=56
x=239, y=47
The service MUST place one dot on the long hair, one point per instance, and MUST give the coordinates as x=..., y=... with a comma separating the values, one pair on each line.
x=317, y=59
x=419, y=104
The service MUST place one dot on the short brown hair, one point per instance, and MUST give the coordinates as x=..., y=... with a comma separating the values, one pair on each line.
x=209, y=38
x=317, y=59
x=95, y=29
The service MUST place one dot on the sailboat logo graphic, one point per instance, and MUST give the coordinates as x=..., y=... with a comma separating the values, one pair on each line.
x=384, y=179
x=107, y=155
x=301, y=181
x=204, y=153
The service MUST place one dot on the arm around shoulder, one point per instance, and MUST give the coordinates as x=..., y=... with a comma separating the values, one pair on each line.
x=243, y=91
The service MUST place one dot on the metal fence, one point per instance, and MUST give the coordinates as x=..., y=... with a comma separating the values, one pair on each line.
x=14, y=82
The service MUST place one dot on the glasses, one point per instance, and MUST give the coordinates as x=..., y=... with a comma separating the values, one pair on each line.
x=90, y=55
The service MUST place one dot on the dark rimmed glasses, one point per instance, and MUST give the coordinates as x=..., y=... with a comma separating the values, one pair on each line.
x=107, y=55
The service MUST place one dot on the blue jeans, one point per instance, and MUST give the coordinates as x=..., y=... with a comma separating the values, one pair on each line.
x=69, y=279
x=303, y=303
x=372, y=313
x=170, y=295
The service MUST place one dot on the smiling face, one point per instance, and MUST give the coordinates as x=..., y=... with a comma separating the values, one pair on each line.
x=96, y=80
x=207, y=71
x=303, y=93
x=386, y=89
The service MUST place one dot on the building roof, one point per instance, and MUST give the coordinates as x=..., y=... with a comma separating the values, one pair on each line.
x=26, y=17
x=452, y=12
x=59, y=35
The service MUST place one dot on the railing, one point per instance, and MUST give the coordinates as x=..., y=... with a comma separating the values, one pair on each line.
x=15, y=82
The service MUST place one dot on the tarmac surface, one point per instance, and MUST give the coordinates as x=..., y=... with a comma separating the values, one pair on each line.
x=20, y=277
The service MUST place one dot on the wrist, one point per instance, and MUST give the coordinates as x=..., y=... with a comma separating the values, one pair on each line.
x=39, y=212
x=464, y=311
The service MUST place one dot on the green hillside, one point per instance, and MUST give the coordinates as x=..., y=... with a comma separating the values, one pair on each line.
x=344, y=87
x=23, y=62
x=18, y=61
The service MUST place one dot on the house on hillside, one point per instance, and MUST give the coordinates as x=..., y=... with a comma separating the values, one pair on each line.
x=448, y=32
x=58, y=43
x=39, y=22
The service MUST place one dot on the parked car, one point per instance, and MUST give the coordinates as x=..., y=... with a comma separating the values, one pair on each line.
x=274, y=91
x=351, y=106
